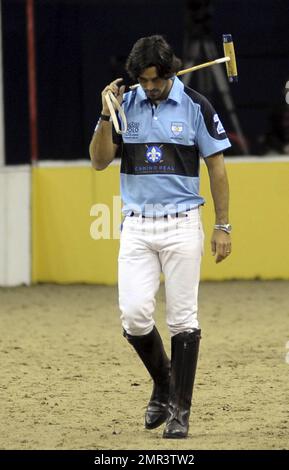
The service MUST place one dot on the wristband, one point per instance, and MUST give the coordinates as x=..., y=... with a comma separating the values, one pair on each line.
x=104, y=117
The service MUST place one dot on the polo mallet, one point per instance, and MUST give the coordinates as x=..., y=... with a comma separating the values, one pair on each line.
x=231, y=66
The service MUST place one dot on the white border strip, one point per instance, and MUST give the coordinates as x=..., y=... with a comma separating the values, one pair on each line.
x=87, y=163
x=15, y=225
x=15, y=169
x=2, y=134
x=258, y=159
x=61, y=163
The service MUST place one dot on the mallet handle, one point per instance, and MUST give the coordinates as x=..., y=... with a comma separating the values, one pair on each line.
x=206, y=64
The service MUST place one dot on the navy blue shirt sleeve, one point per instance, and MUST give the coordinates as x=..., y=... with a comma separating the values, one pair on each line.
x=210, y=136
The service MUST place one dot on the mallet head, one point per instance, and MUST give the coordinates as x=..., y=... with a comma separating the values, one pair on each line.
x=230, y=52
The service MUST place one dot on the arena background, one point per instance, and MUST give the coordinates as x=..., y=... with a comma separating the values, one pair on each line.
x=69, y=379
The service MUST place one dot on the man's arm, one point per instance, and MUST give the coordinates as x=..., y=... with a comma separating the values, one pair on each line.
x=221, y=241
x=102, y=150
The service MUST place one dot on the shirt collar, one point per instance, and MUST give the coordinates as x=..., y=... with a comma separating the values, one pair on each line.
x=175, y=93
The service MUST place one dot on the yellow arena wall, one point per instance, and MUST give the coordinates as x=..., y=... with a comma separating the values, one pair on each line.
x=63, y=250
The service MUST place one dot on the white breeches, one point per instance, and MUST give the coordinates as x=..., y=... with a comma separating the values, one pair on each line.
x=148, y=247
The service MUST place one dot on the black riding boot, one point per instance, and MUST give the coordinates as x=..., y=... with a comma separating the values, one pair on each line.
x=185, y=348
x=151, y=351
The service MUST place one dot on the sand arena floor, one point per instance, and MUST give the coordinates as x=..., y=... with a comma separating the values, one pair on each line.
x=69, y=380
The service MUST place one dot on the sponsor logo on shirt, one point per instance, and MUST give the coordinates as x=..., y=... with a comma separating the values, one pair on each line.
x=177, y=128
x=132, y=129
x=154, y=154
x=154, y=169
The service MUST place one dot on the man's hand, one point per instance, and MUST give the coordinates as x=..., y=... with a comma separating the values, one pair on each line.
x=116, y=90
x=221, y=245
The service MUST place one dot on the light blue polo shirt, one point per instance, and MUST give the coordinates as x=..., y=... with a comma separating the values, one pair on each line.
x=160, y=152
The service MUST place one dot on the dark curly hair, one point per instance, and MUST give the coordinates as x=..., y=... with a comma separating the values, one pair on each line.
x=152, y=51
